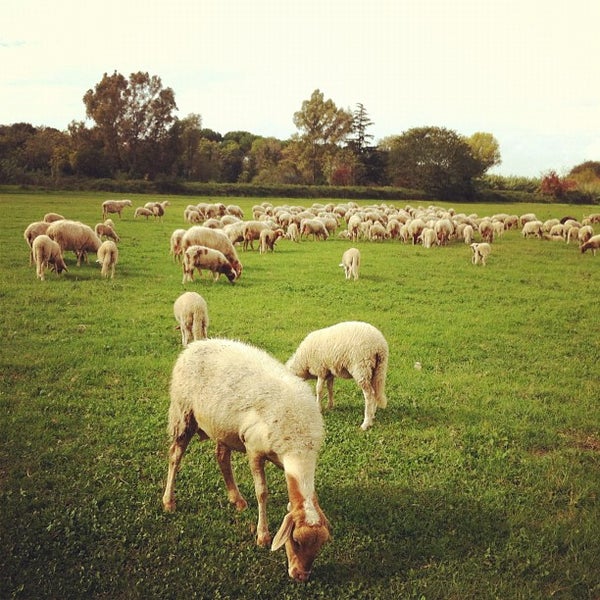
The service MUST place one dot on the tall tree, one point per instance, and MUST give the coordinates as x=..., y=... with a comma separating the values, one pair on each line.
x=133, y=116
x=485, y=149
x=323, y=126
x=360, y=139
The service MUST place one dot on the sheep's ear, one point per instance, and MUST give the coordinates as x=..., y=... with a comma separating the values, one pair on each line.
x=285, y=531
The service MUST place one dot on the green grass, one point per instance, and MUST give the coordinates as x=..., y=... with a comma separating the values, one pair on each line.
x=480, y=479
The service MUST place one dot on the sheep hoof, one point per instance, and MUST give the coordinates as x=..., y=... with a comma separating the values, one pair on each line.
x=169, y=506
x=366, y=426
x=240, y=504
x=263, y=540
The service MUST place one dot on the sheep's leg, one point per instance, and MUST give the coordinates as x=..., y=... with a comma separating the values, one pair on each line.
x=370, y=405
x=257, y=466
x=176, y=452
x=319, y=390
x=330, y=391
x=223, y=454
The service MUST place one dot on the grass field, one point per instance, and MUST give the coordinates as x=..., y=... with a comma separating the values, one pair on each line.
x=480, y=480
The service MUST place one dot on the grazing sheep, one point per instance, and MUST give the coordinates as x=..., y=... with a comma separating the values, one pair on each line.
x=585, y=234
x=354, y=222
x=74, y=236
x=108, y=255
x=142, y=211
x=351, y=263
x=114, y=206
x=486, y=230
x=268, y=238
x=427, y=237
x=176, y=250
x=377, y=232
x=51, y=217
x=480, y=253
x=350, y=350
x=468, y=233
x=46, y=253
x=532, y=228
x=293, y=233
x=191, y=312
x=31, y=232
x=106, y=231
x=202, y=257
x=592, y=244
x=213, y=238
x=313, y=227
x=245, y=400
x=251, y=231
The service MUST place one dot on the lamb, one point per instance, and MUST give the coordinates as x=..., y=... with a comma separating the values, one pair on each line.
x=46, y=252
x=351, y=263
x=114, y=206
x=143, y=211
x=31, y=232
x=251, y=231
x=202, y=257
x=292, y=232
x=268, y=238
x=245, y=400
x=592, y=244
x=213, y=238
x=480, y=253
x=191, y=313
x=350, y=350
x=108, y=256
x=175, y=244
x=74, y=236
x=106, y=231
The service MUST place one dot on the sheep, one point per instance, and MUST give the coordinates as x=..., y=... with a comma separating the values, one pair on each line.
x=585, y=233
x=532, y=228
x=377, y=232
x=251, y=231
x=592, y=244
x=268, y=238
x=191, y=313
x=354, y=222
x=31, y=232
x=51, y=217
x=175, y=244
x=293, y=233
x=480, y=253
x=114, y=206
x=486, y=230
x=245, y=400
x=350, y=350
x=444, y=228
x=108, y=255
x=142, y=211
x=468, y=233
x=313, y=227
x=74, y=236
x=104, y=230
x=46, y=252
x=213, y=238
x=351, y=263
x=202, y=257
x=427, y=237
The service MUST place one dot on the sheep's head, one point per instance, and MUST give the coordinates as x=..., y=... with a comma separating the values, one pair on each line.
x=302, y=541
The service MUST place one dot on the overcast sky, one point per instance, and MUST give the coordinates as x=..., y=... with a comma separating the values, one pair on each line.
x=525, y=71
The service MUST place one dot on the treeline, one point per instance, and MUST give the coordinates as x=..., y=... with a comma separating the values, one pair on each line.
x=136, y=143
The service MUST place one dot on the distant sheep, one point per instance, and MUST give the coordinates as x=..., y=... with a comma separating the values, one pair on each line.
x=532, y=228
x=108, y=256
x=31, y=232
x=114, y=206
x=592, y=244
x=251, y=231
x=427, y=237
x=176, y=250
x=143, y=211
x=313, y=227
x=585, y=234
x=213, y=238
x=74, y=236
x=480, y=253
x=202, y=257
x=245, y=400
x=268, y=238
x=46, y=253
x=351, y=263
x=102, y=230
x=293, y=233
x=51, y=217
x=191, y=313
x=350, y=350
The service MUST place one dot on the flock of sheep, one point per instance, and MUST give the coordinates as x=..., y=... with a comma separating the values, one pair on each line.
x=238, y=395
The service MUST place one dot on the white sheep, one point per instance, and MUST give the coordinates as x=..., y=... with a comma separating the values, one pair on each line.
x=106, y=231
x=245, y=400
x=480, y=253
x=427, y=237
x=592, y=244
x=251, y=231
x=292, y=232
x=313, y=227
x=203, y=257
x=468, y=233
x=191, y=313
x=585, y=233
x=52, y=216
x=532, y=228
x=46, y=253
x=143, y=211
x=486, y=230
x=213, y=238
x=31, y=232
x=351, y=263
x=74, y=236
x=176, y=250
x=350, y=350
x=268, y=238
x=114, y=206
x=108, y=256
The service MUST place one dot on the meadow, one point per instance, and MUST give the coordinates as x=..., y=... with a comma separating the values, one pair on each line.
x=481, y=478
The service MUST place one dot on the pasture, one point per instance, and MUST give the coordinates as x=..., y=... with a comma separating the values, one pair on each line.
x=481, y=478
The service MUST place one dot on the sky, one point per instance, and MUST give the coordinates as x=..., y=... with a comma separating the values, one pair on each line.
x=523, y=70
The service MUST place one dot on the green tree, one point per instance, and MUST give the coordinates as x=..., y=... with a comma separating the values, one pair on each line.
x=133, y=117
x=433, y=159
x=485, y=149
x=323, y=127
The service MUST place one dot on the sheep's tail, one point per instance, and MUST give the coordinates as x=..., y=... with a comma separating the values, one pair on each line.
x=379, y=375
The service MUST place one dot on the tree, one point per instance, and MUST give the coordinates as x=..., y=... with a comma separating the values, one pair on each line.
x=132, y=116
x=359, y=140
x=485, y=149
x=433, y=159
x=323, y=126
x=554, y=185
